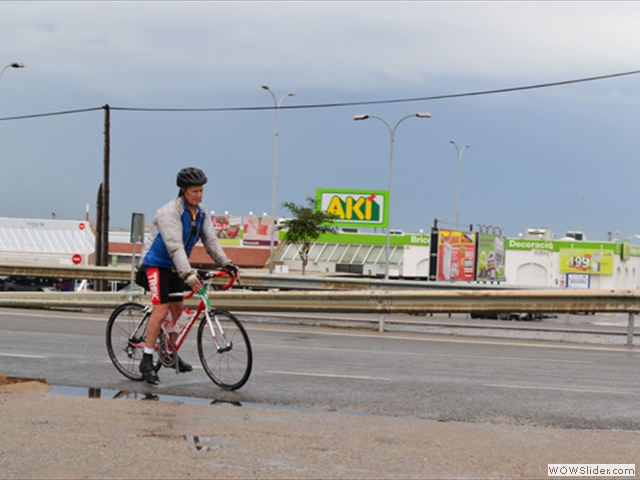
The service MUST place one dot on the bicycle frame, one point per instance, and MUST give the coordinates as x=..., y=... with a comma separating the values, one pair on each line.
x=204, y=305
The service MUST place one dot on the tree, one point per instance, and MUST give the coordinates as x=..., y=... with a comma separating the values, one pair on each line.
x=307, y=224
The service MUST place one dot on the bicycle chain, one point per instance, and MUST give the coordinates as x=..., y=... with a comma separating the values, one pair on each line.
x=165, y=352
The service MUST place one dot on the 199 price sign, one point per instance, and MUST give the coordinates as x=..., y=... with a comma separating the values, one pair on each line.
x=583, y=260
x=582, y=263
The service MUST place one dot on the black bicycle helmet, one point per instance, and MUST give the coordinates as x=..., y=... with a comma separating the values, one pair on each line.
x=190, y=176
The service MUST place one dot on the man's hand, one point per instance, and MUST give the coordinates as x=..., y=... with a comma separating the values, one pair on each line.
x=193, y=281
x=233, y=270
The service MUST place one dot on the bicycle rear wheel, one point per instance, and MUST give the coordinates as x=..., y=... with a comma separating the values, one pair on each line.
x=225, y=354
x=125, y=335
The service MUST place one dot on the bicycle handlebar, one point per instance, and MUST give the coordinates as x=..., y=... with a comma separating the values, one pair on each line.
x=206, y=275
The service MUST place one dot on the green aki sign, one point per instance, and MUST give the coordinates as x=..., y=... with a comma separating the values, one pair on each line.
x=355, y=208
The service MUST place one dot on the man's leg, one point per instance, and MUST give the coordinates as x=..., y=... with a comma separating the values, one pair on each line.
x=158, y=315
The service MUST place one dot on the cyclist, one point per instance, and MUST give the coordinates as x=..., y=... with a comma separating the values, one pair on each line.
x=164, y=267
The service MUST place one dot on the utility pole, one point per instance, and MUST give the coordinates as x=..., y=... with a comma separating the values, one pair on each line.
x=102, y=243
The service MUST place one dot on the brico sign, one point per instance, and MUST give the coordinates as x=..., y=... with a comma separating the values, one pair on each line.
x=355, y=208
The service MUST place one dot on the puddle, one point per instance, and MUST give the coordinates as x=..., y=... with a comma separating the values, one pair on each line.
x=103, y=393
x=108, y=394
x=84, y=392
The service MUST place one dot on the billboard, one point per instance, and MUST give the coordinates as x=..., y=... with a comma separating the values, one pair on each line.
x=456, y=255
x=228, y=228
x=257, y=231
x=355, y=208
x=490, y=264
x=586, y=260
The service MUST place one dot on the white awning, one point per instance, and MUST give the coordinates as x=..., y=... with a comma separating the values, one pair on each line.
x=31, y=239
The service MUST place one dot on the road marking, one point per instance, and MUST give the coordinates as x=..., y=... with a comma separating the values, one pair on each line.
x=328, y=375
x=559, y=389
x=19, y=355
x=386, y=336
x=423, y=354
x=64, y=315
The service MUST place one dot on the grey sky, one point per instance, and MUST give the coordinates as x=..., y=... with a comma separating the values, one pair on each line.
x=562, y=157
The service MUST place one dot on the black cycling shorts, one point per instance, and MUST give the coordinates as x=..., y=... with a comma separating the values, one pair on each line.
x=160, y=283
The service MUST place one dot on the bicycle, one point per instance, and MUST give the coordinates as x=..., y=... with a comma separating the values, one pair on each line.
x=223, y=344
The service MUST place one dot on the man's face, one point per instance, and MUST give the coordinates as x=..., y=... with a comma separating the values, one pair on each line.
x=193, y=195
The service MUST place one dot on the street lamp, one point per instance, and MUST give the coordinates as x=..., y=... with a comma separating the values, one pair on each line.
x=12, y=65
x=392, y=133
x=459, y=150
x=275, y=174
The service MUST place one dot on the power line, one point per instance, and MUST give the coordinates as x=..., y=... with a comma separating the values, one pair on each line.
x=414, y=99
x=344, y=104
x=37, y=115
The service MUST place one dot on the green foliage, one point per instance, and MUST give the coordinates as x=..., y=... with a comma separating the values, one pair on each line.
x=306, y=226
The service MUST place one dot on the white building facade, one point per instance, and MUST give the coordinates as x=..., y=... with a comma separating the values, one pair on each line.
x=46, y=242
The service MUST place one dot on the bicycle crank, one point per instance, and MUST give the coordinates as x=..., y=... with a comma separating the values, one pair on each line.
x=166, y=352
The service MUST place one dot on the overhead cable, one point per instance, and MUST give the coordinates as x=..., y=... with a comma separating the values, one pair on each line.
x=344, y=104
x=37, y=115
x=378, y=102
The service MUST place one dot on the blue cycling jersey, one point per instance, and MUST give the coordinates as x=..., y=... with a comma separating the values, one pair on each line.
x=158, y=254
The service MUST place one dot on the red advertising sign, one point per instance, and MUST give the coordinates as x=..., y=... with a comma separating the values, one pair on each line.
x=257, y=231
x=456, y=255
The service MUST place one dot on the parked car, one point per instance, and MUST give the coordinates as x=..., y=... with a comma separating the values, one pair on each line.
x=522, y=316
x=30, y=284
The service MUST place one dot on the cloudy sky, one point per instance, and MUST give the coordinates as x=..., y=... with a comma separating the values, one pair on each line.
x=563, y=157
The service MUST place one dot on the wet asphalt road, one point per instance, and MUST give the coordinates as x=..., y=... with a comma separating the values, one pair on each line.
x=445, y=377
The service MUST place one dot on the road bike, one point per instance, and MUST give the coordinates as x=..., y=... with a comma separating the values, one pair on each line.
x=223, y=344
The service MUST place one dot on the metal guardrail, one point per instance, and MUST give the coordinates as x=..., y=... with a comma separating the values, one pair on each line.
x=343, y=295
x=377, y=301
x=77, y=272
x=255, y=280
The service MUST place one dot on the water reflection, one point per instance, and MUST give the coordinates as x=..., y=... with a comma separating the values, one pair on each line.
x=136, y=395
x=99, y=393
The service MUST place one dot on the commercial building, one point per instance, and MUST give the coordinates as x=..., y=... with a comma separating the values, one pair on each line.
x=537, y=260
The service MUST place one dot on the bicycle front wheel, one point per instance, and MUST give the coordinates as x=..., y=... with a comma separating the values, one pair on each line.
x=126, y=333
x=225, y=352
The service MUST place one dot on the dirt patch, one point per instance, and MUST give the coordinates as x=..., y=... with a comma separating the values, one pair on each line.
x=33, y=386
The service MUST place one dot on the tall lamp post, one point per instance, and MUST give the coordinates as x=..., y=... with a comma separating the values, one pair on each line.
x=392, y=133
x=459, y=150
x=12, y=65
x=275, y=173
